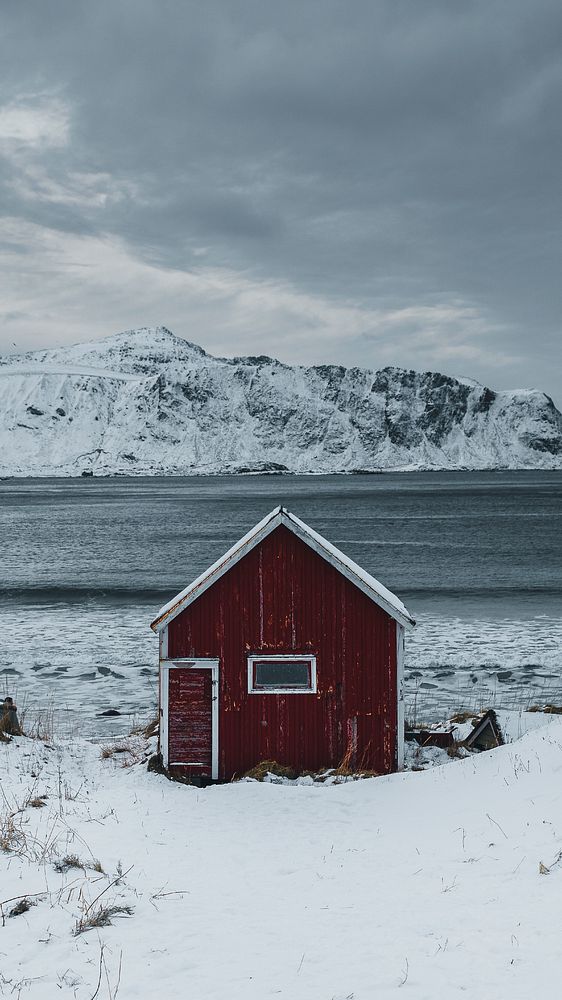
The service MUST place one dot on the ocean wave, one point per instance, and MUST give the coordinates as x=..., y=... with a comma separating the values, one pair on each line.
x=65, y=594
x=69, y=592
x=479, y=590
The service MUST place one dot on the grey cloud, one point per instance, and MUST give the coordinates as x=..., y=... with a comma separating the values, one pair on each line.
x=390, y=153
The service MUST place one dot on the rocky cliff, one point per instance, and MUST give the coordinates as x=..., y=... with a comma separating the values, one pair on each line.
x=147, y=402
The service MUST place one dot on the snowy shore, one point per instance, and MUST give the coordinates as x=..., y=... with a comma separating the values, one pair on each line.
x=446, y=880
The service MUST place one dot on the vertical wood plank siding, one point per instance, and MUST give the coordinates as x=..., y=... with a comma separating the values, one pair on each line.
x=284, y=598
x=190, y=694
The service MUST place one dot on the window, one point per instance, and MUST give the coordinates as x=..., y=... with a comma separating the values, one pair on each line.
x=282, y=674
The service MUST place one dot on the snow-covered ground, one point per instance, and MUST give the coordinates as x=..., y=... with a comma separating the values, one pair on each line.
x=440, y=882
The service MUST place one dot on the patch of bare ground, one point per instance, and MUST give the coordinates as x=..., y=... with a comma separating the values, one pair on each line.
x=547, y=709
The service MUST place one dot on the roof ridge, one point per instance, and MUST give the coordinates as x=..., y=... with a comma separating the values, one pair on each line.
x=375, y=590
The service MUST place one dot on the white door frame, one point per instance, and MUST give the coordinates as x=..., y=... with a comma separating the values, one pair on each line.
x=190, y=663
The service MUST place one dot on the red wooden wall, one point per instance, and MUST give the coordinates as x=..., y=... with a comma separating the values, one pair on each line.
x=284, y=598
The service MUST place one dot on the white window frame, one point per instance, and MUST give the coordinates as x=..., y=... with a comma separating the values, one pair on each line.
x=190, y=663
x=287, y=657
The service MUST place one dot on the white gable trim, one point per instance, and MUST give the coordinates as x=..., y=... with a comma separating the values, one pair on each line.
x=218, y=569
x=346, y=566
x=351, y=570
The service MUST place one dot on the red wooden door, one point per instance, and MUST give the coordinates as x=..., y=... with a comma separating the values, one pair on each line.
x=190, y=720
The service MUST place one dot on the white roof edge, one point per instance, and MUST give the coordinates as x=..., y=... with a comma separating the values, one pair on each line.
x=280, y=515
x=380, y=594
x=215, y=571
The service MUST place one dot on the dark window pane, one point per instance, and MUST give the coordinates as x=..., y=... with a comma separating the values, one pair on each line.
x=282, y=673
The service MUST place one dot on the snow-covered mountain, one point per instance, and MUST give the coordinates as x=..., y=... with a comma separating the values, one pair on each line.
x=148, y=402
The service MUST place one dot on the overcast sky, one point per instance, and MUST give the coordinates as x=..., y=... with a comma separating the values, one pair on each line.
x=359, y=182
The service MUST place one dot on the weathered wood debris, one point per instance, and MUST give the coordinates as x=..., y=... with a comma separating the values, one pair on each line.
x=9, y=722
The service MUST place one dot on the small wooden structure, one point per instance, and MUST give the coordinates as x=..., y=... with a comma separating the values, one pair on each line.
x=486, y=734
x=285, y=650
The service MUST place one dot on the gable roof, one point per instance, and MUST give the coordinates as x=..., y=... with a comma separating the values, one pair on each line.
x=384, y=598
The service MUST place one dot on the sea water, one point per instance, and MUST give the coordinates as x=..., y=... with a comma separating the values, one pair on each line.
x=85, y=565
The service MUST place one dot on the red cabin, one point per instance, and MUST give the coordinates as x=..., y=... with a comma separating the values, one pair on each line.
x=285, y=650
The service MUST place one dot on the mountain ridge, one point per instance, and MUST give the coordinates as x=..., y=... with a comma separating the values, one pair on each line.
x=146, y=402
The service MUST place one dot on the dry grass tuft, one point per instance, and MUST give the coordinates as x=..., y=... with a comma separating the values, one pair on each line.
x=70, y=861
x=22, y=906
x=9, y=834
x=148, y=730
x=344, y=767
x=132, y=750
x=107, y=752
x=17, y=838
x=37, y=803
x=63, y=865
x=100, y=917
x=265, y=767
x=43, y=725
x=461, y=717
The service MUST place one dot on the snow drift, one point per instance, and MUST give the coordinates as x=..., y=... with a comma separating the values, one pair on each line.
x=146, y=402
x=445, y=882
